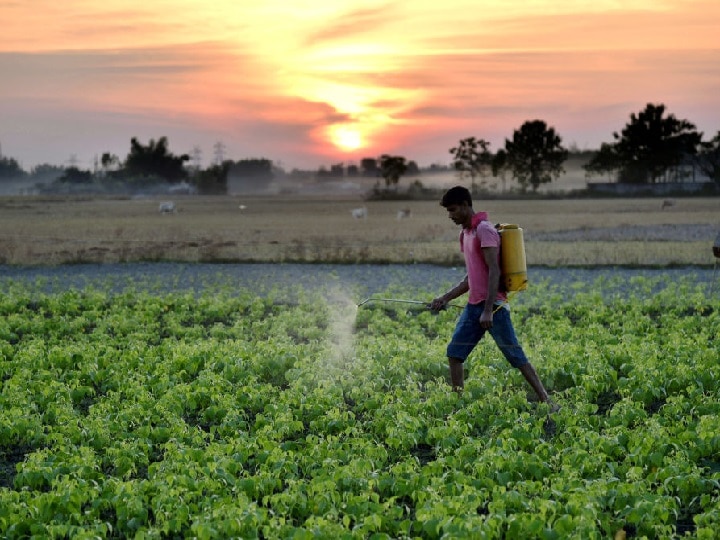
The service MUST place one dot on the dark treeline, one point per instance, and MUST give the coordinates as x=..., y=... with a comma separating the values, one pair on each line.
x=653, y=147
x=147, y=168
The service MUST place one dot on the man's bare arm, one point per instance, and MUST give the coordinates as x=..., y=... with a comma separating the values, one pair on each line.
x=458, y=290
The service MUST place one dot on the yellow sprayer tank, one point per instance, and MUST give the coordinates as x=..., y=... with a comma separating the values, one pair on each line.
x=513, y=267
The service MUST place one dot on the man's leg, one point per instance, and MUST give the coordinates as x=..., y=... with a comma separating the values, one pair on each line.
x=466, y=335
x=457, y=374
x=531, y=376
x=503, y=333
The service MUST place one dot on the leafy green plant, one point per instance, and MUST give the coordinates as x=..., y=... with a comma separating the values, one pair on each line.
x=230, y=414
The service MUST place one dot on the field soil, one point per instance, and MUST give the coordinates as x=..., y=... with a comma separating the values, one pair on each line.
x=322, y=229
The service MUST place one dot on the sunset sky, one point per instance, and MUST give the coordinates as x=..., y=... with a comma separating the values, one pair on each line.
x=308, y=83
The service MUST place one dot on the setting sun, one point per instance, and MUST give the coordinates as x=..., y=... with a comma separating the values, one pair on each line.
x=346, y=138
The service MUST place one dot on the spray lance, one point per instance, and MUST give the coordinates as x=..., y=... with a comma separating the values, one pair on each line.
x=402, y=301
x=417, y=302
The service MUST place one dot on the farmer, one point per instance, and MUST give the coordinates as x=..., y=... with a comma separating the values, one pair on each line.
x=486, y=309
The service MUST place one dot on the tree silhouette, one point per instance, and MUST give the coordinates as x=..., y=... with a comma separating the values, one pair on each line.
x=73, y=175
x=498, y=165
x=535, y=155
x=109, y=160
x=605, y=161
x=254, y=173
x=46, y=172
x=472, y=157
x=10, y=168
x=392, y=168
x=650, y=145
x=709, y=158
x=155, y=160
x=213, y=180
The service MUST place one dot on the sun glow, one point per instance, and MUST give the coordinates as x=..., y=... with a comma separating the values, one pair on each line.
x=346, y=137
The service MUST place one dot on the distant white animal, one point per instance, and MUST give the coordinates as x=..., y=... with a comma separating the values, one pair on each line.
x=667, y=203
x=167, y=207
x=242, y=207
x=403, y=213
x=359, y=213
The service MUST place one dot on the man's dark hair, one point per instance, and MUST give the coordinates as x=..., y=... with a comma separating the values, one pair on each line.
x=456, y=195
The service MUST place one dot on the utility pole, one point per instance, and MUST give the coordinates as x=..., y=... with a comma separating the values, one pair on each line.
x=196, y=157
x=219, y=152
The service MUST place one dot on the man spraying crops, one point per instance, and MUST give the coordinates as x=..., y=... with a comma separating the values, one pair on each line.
x=486, y=310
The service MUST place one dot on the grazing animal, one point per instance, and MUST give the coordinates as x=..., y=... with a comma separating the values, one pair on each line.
x=403, y=213
x=667, y=203
x=167, y=207
x=242, y=207
x=359, y=213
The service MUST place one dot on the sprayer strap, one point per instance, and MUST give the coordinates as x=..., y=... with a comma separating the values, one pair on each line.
x=504, y=303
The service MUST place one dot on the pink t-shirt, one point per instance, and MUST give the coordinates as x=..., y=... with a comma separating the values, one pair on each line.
x=481, y=234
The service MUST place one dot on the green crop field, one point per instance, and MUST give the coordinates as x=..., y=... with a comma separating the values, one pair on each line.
x=224, y=414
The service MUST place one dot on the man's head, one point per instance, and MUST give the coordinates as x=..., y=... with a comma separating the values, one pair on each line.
x=458, y=202
x=456, y=196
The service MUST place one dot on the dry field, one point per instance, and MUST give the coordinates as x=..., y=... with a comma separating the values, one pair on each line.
x=640, y=232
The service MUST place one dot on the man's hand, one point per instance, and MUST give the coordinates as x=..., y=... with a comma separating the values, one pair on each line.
x=438, y=304
x=486, y=319
x=441, y=302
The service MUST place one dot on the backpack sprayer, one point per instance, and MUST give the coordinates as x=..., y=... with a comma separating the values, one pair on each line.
x=513, y=266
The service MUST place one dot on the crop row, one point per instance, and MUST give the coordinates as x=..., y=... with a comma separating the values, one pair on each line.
x=227, y=414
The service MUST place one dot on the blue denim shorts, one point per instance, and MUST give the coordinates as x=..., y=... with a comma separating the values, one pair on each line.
x=468, y=334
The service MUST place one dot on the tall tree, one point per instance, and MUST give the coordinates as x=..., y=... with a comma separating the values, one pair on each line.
x=604, y=161
x=709, y=158
x=155, y=160
x=472, y=158
x=392, y=168
x=10, y=168
x=213, y=180
x=651, y=144
x=535, y=155
x=73, y=175
x=46, y=173
x=253, y=174
x=498, y=166
x=109, y=161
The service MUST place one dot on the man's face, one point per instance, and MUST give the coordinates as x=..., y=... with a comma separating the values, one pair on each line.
x=459, y=213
